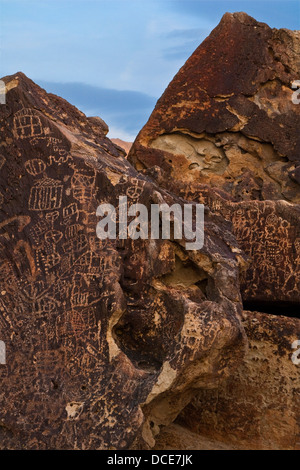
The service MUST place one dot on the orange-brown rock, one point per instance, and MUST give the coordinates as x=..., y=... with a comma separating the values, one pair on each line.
x=258, y=407
x=228, y=118
x=98, y=333
x=123, y=144
x=226, y=133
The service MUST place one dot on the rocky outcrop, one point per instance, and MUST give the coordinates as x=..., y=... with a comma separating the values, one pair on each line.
x=123, y=144
x=225, y=133
x=99, y=334
x=229, y=116
x=258, y=407
x=116, y=344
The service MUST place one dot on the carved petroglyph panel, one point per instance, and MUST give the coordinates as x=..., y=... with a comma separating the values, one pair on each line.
x=64, y=292
x=266, y=232
x=2, y=161
x=46, y=195
x=27, y=123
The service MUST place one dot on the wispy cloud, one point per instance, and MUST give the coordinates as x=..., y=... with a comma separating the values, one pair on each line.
x=192, y=33
x=124, y=111
x=181, y=51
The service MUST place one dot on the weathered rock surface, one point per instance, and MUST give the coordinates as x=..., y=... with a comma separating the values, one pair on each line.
x=226, y=133
x=123, y=144
x=259, y=406
x=180, y=437
x=108, y=342
x=99, y=334
x=228, y=115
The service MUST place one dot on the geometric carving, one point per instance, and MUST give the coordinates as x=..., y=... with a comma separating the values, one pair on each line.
x=46, y=194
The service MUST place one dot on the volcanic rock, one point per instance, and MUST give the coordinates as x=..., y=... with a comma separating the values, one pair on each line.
x=123, y=144
x=259, y=406
x=100, y=335
x=226, y=133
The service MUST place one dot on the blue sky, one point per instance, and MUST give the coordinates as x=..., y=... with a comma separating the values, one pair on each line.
x=114, y=58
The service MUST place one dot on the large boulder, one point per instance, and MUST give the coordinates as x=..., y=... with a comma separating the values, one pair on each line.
x=226, y=133
x=99, y=333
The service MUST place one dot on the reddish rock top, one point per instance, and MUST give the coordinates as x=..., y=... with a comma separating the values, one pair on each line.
x=123, y=144
x=226, y=133
x=229, y=113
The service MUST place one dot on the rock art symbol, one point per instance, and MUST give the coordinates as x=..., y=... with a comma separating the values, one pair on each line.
x=46, y=194
x=2, y=161
x=53, y=236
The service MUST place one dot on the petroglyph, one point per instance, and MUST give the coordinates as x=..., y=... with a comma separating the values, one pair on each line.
x=46, y=194
x=27, y=124
x=68, y=299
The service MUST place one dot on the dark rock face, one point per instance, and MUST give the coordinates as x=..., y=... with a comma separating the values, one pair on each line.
x=108, y=341
x=228, y=115
x=98, y=333
x=226, y=133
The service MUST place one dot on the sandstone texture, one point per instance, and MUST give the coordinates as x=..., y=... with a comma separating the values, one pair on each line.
x=123, y=144
x=226, y=133
x=139, y=344
x=258, y=407
x=99, y=334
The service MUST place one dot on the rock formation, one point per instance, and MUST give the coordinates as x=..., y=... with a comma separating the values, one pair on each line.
x=226, y=133
x=99, y=333
x=123, y=144
x=258, y=406
x=116, y=344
